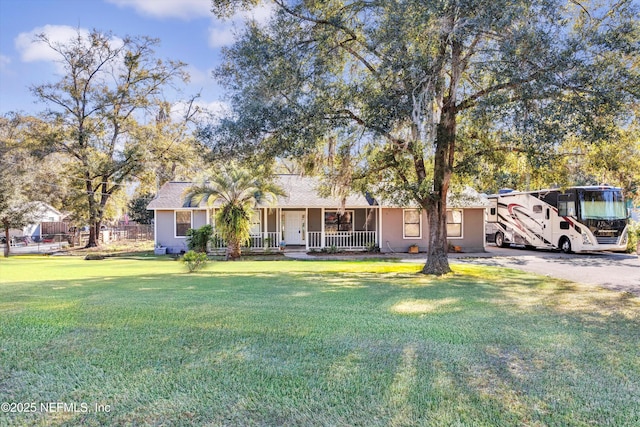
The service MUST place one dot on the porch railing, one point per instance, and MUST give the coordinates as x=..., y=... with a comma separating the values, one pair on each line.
x=267, y=240
x=342, y=239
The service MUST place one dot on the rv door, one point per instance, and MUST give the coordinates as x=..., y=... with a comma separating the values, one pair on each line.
x=492, y=211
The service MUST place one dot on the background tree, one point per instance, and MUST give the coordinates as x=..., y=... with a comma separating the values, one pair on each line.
x=172, y=151
x=16, y=211
x=137, y=209
x=613, y=159
x=107, y=85
x=392, y=86
x=238, y=191
x=43, y=177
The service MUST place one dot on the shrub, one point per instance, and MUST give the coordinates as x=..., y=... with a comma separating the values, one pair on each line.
x=195, y=260
x=197, y=239
x=372, y=247
x=333, y=249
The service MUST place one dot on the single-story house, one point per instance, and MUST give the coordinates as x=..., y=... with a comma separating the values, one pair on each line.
x=304, y=220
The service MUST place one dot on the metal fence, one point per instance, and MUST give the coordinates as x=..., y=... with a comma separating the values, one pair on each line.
x=58, y=235
x=133, y=232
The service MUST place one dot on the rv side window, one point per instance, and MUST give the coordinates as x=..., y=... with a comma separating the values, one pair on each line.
x=493, y=211
x=537, y=208
x=566, y=208
x=566, y=205
x=562, y=208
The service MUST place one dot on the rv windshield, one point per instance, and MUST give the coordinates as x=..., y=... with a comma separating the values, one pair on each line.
x=602, y=204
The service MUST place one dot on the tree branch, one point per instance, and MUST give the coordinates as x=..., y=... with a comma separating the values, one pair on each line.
x=325, y=22
x=472, y=100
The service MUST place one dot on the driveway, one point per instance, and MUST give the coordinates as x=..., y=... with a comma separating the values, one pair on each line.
x=36, y=248
x=620, y=272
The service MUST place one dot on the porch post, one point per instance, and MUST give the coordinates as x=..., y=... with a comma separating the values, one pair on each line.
x=322, y=234
x=380, y=227
x=366, y=217
x=208, y=222
x=305, y=226
x=265, y=231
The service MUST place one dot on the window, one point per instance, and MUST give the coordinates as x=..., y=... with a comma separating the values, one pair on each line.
x=333, y=221
x=183, y=223
x=566, y=205
x=255, y=223
x=412, y=224
x=454, y=223
x=567, y=208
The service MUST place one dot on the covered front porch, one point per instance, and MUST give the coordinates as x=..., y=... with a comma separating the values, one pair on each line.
x=353, y=229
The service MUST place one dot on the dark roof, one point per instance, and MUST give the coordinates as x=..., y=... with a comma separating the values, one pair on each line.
x=301, y=192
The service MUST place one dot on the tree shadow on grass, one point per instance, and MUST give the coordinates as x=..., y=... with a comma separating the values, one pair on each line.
x=479, y=346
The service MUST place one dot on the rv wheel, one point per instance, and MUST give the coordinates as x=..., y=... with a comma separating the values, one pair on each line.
x=500, y=240
x=565, y=245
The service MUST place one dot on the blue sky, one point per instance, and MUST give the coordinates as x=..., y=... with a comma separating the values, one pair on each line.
x=187, y=30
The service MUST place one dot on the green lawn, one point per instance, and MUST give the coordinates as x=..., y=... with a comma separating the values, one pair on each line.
x=311, y=343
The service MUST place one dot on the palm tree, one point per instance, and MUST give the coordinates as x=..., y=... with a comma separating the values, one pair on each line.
x=239, y=191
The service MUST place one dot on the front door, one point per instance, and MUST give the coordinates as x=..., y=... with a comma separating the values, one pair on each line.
x=294, y=228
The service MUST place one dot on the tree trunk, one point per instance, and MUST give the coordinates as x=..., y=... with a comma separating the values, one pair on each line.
x=233, y=250
x=6, y=236
x=94, y=235
x=96, y=219
x=436, y=205
x=437, y=260
x=94, y=226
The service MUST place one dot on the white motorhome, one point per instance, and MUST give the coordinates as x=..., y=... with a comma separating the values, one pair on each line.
x=576, y=219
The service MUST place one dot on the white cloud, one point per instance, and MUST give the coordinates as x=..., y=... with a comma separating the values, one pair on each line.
x=4, y=62
x=223, y=33
x=216, y=108
x=32, y=50
x=205, y=110
x=199, y=77
x=261, y=14
x=183, y=9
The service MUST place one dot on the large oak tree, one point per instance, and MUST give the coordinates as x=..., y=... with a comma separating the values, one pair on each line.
x=391, y=85
x=107, y=88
